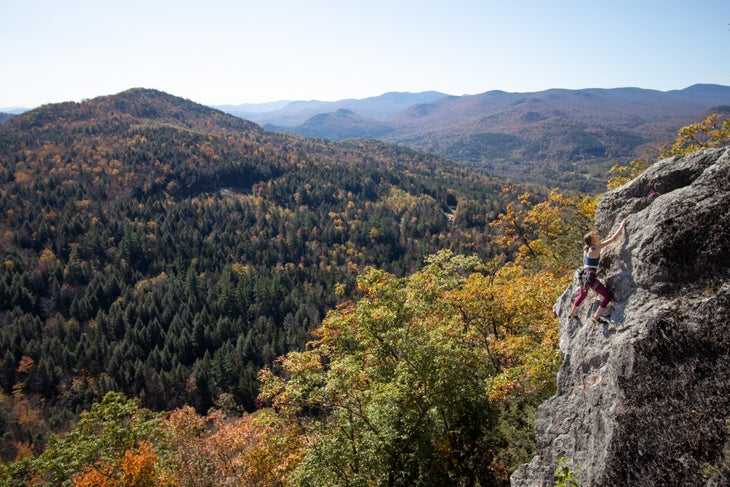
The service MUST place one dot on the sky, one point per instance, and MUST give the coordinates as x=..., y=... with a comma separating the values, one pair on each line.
x=219, y=52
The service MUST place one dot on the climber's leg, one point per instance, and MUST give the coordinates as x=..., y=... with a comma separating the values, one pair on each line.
x=607, y=297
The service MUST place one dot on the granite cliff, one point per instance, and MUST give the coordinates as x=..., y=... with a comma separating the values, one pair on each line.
x=649, y=403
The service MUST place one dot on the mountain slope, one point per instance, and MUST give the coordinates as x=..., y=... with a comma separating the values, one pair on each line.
x=168, y=250
x=339, y=125
x=565, y=138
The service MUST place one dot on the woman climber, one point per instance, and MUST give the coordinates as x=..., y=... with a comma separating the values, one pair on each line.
x=591, y=258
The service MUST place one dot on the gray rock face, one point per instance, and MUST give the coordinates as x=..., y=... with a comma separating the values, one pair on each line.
x=649, y=404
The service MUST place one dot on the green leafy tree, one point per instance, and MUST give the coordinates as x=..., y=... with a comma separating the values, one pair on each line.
x=407, y=385
x=102, y=436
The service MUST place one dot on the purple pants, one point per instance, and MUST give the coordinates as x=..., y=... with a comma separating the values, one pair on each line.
x=591, y=281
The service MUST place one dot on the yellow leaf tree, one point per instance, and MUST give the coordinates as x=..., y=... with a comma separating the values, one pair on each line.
x=546, y=235
x=713, y=131
x=410, y=382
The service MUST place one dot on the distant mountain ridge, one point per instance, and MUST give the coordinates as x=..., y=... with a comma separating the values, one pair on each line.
x=568, y=138
x=292, y=113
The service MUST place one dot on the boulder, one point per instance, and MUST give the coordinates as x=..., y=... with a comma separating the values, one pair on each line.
x=649, y=403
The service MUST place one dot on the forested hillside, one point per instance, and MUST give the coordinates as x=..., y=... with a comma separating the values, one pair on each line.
x=562, y=138
x=166, y=250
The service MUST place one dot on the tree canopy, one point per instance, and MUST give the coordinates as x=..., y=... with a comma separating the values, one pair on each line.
x=309, y=313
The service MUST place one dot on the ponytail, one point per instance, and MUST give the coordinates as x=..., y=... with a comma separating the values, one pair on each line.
x=587, y=239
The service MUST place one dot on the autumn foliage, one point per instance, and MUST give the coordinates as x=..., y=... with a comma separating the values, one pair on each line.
x=416, y=381
x=136, y=469
x=424, y=378
x=218, y=451
x=408, y=384
x=168, y=251
x=436, y=345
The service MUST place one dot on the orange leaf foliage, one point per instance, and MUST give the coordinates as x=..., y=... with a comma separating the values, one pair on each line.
x=254, y=450
x=26, y=365
x=136, y=469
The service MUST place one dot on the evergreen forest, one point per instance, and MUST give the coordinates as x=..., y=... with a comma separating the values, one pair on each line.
x=165, y=250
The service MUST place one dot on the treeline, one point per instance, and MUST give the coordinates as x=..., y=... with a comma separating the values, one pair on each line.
x=167, y=251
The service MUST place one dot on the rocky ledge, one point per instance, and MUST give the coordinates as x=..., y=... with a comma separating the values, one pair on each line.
x=649, y=403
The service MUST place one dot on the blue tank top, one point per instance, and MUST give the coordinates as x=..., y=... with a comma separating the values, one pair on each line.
x=592, y=261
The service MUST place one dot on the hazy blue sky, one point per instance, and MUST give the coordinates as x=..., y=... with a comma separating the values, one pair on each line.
x=218, y=52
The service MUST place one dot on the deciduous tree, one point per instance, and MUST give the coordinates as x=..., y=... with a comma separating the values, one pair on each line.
x=406, y=384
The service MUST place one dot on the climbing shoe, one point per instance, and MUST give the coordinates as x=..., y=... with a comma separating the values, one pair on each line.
x=603, y=321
